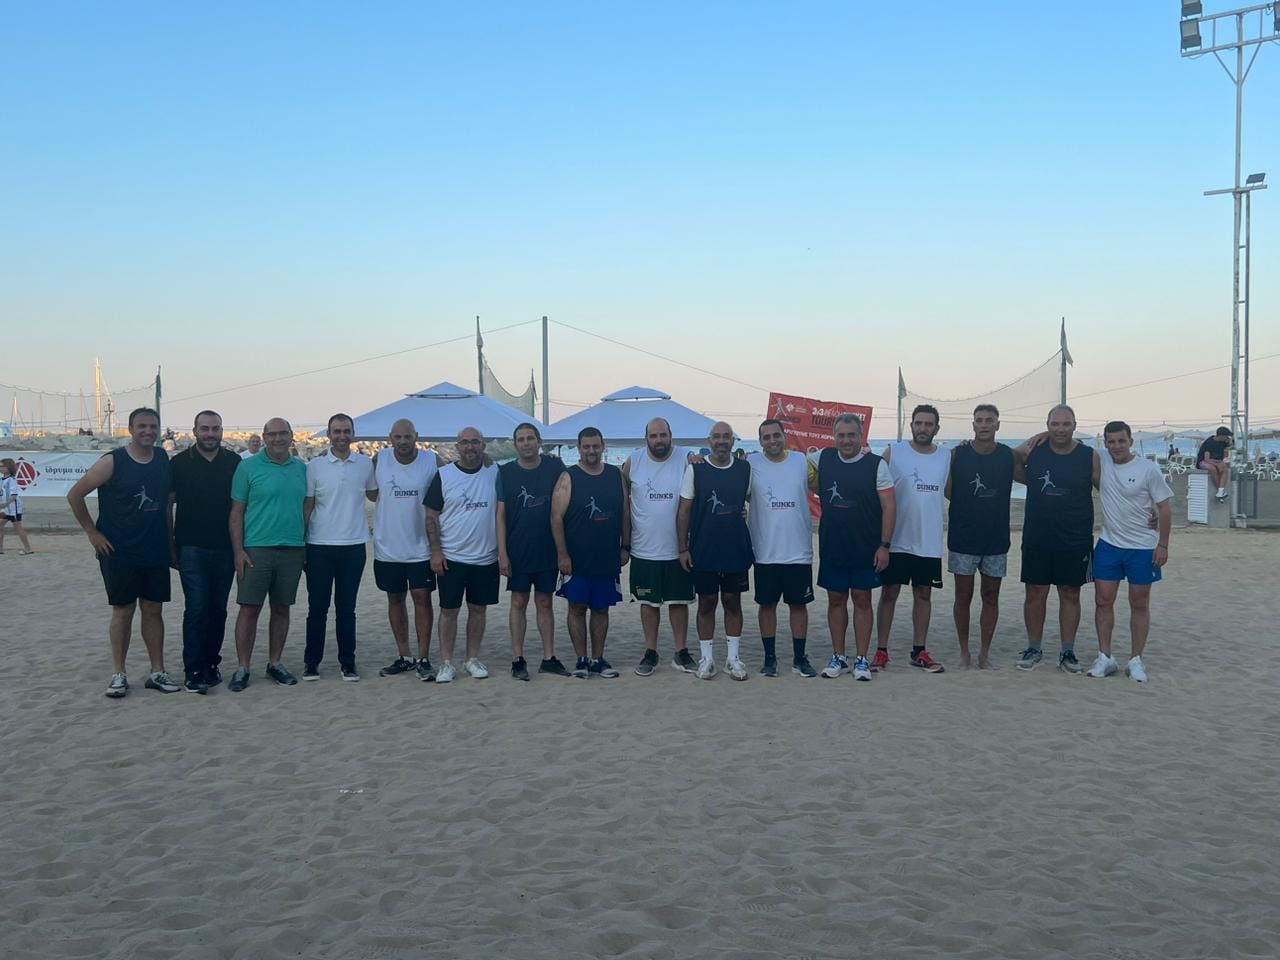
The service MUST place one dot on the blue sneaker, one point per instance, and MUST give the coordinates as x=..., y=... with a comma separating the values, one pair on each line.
x=862, y=669
x=836, y=666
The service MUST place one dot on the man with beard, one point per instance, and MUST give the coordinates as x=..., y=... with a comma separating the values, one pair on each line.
x=199, y=510
x=591, y=526
x=526, y=549
x=715, y=546
x=1057, y=533
x=337, y=534
x=854, y=535
x=920, y=473
x=462, y=529
x=781, y=538
x=401, y=556
x=653, y=475
x=132, y=543
x=979, y=488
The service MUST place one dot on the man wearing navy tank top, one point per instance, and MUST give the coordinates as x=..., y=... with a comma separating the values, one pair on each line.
x=591, y=526
x=979, y=488
x=131, y=539
x=920, y=473
x=1057, y=533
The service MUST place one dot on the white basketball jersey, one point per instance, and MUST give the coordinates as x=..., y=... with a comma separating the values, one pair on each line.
x=781, y=531
x=399, y=520
x=655, y=499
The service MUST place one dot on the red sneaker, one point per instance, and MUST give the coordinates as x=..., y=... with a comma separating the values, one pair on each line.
x=926, y=662
x=881, y=661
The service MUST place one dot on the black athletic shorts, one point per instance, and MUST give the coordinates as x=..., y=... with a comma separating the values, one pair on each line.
x=126, y=582
x=792, y=582
x=1057, y=568
x=393, y=577
x=477, y=582
x=907, y=568
x=708, y=583
x=543, y=581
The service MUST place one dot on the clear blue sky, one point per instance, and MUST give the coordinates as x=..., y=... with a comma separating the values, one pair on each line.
x=805, y=196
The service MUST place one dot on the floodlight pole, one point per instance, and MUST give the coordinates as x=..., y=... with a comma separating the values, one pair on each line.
x=1239, y=192
x=546, y=377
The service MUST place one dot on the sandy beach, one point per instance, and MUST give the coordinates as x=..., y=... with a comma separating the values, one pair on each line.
x=971, y=814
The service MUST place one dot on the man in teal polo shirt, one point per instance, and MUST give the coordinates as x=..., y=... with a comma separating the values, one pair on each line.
x=267, y=536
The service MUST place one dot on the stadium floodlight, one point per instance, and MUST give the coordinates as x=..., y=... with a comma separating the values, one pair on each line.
x=1190, y=34
x=1255, y=178
x=1192, y=8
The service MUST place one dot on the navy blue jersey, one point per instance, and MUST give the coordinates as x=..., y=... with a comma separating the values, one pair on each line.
x=1059, y=499
x=132, y=508
x=593, y=522
x=526, y=495
x=849, y=530
x=719, y=541
x=978, y=517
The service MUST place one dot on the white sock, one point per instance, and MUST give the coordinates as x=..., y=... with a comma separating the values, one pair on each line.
x=1221, y=491
x=735, y=644
x=707, y=649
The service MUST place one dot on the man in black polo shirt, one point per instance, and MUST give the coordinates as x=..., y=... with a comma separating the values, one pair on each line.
x=200, y=546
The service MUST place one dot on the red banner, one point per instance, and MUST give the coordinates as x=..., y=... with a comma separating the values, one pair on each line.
x=809, y=424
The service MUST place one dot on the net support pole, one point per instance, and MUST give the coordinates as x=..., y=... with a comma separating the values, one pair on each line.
x=901, y=391
x=479, y=359
x=546, y=376
x=158, y=394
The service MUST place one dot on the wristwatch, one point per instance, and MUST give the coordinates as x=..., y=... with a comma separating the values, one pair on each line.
x=885, y=543
x=626, y=547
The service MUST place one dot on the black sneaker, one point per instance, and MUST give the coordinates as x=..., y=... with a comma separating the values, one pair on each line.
x=395, y=667
x=350, y=674
x=519, y=669
x=603, y=668
x=308, y=672
x=213, y=676
x=426, y=672
x=648, y=663
x=684, y=662
x=582, y=670
x=239, y=680
x=196, y=684
x=803, y=667
x=770, y=668
x=278, y=673
x=553, y=666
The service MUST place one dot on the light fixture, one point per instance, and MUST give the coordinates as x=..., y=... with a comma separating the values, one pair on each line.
x=1192, y=8
x=1255, y=178
x=1190, y=34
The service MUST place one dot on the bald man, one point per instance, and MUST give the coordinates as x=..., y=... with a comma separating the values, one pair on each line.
x=715, y=546
x=267, y=538
x=401, y=556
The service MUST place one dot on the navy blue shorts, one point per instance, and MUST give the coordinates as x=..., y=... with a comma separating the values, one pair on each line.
x=844, y=579
x=543, y=581
x=598, y=593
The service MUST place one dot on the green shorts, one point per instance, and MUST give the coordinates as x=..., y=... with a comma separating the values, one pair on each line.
x=657, y=582
x=275, y=573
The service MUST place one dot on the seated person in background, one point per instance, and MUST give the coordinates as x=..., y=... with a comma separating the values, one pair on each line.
x=1212, y=458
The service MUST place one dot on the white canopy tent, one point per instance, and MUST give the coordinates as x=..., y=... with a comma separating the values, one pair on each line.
x=622, y=416
x=440, y=411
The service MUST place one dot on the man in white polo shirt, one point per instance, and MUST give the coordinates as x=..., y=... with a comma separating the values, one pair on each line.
x=782, y=539
x=337, y=531
x=462, y=516
x=401, y=557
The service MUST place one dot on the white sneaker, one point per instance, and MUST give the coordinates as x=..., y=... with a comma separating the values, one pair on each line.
x=706, y=668
x=836, y=666
x=119, y=686
x=861, y=669
x=1104, y=666
x=161, y=681
x=737, y=669
x=446, y=673
x=1136, y=670
x=474, y=667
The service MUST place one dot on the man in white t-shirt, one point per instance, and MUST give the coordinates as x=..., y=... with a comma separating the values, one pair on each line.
x=920, y=470
x=781, y=538
x=401, y=557
x=462, y=518
x=254, y=445
x=653, y=475
x=1133, y=492
x=337, y=532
